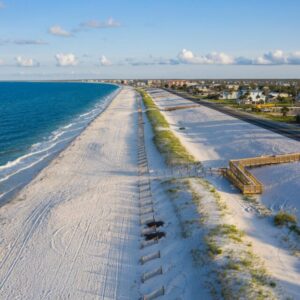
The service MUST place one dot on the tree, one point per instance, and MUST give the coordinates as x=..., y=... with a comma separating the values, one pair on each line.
x=245, y=96
x=284, y=111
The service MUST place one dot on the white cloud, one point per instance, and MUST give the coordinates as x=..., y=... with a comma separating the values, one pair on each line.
x=1, y=62
x=68, y=59
x=276, y=57
x=110, y=23
x=294, y=58
x=26, y=62
x=241, y=60
x=261, y=60
x=57, y=30
x=188, y=57
x=2, y=5
x=219, y=58
x=104, y=61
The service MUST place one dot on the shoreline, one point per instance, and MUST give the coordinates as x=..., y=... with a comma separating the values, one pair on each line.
x=19, y=178
x=77, y=215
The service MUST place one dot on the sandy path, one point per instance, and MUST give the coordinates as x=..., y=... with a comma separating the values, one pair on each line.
x=72, y=233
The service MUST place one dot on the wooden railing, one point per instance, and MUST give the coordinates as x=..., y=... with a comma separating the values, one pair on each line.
x=244, y=180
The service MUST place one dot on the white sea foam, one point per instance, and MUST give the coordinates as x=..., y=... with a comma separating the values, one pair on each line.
x=15, y=174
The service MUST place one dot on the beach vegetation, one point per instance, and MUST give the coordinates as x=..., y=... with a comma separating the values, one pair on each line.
x=164, y=139
x=212, y=248
x=284, y=218
x=240, y=274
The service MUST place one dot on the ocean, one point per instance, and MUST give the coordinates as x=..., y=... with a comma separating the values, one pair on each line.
x=38, y=120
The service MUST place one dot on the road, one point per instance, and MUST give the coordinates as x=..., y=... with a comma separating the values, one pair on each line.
x=289, y=130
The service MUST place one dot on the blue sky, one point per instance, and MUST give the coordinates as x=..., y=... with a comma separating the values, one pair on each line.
x=149, y=39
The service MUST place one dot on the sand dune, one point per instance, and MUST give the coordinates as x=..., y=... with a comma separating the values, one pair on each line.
x=214, y=138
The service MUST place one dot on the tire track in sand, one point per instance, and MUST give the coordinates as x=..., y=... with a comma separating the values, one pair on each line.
x=16, y=250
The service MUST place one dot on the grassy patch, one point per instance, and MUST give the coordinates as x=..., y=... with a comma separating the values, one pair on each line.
x=212, y=247
x=278, y=118
x=284, y=218
x=250, y=199
x=230, y=231
x=165, y=140
x=196, y=198
x=240, y=273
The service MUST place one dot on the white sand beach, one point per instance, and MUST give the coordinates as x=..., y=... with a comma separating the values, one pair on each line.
x=72, y=232
x=75, y=233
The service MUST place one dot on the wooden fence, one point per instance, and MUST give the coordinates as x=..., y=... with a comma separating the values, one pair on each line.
x=242, y=178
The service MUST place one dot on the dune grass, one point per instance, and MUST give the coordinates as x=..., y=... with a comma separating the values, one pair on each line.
x=284, y=218
x=166, y=142
x=241, y=274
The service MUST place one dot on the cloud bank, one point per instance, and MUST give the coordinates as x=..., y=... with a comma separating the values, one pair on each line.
x=64, y=60
x=277, y=57
x=26, y=62
x=185, y=56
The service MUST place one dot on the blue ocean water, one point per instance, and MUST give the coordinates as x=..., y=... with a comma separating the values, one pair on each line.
x=38, y=120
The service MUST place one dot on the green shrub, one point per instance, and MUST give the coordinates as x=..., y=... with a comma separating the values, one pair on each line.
x=232, y=266
x=213, y=248
x=284, y=218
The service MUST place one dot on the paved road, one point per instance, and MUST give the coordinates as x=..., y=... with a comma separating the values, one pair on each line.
x=289, y=130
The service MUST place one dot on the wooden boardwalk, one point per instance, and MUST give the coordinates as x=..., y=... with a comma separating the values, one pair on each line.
x=244, y=180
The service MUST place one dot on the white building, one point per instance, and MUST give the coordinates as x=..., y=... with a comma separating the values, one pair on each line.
x=251, y=97
x=226, y=95
x=275, y=95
